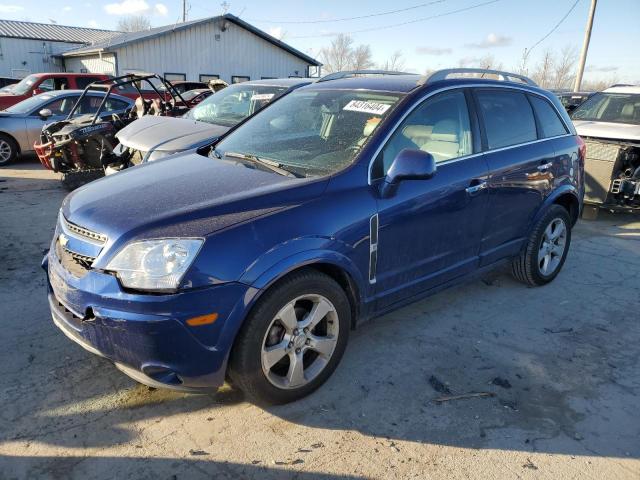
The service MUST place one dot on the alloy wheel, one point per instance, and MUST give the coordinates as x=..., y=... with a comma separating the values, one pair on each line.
x=552, y=246
x=5, y=151
x=299, y=341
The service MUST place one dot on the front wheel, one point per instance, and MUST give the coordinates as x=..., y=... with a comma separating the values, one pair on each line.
x=546, y=249
x=293, y=339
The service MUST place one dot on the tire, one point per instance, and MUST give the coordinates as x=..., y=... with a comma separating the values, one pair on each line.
x=528, y=267
x=77, y=178
x=264, y=333
x=8, y=150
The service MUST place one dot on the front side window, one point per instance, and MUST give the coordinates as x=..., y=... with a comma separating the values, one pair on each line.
x=61, y=106
x=610, y=107
x=549, y=120
x=233, y=104
x=310, y=132
x=439, y=126
x=508, y=118
x=47, y=85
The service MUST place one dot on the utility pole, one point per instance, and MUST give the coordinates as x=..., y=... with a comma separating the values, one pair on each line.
x=184, y=11
x=585, y=46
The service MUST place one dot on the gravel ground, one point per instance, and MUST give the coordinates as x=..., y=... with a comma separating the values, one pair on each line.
x=562, y=362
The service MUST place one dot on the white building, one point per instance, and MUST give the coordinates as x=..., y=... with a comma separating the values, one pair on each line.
x=223, y=47
x=28, y=47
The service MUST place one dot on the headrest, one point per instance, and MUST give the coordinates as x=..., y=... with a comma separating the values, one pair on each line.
x=417, y=131
x=627, y=110
x=445, y=131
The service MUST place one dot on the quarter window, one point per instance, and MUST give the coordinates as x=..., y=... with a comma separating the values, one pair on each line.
x=551, y=124
x=440, y=126
x=508, y=118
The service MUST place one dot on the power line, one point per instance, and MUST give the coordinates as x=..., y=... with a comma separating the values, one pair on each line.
x=345, y=19
x=554, y=28
x=384, y=27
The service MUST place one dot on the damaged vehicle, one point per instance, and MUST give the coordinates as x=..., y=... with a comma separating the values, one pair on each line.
x=80, y=146
x=151, y=138
x=609, y=123
x=341, y=201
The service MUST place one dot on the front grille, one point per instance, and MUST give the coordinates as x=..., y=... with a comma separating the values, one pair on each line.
x=84, y=232
x=76, y=264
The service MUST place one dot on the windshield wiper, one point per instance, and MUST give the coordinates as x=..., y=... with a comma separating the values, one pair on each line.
x=271, y=165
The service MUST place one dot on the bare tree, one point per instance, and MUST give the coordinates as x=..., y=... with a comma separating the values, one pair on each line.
x=489, y=62
x=361, y=58
x=394, y=62
x=337, y=56
x=134, y=23
x=564, y=68
x=544, y=72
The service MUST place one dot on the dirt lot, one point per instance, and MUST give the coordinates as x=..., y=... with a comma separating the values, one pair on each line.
x=569, y=351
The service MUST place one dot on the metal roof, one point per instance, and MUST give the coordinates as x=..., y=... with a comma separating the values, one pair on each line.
x=53, y=33
x=125, y=39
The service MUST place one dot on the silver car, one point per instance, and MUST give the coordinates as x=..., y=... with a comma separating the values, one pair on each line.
x=21, y=124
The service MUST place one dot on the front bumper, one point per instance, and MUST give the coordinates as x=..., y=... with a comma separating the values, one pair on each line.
x=146, y=336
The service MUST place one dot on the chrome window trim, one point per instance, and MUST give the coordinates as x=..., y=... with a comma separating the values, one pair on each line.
x=460, y=87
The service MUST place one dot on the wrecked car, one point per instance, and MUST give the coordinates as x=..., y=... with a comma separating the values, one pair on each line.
x=609, y=123
x=151, y=138
x=80, y=146
x=341, y=201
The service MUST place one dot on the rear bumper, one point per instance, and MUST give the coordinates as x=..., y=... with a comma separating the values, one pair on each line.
x=149, y=340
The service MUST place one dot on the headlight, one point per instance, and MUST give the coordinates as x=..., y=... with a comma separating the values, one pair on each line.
x=155, y=265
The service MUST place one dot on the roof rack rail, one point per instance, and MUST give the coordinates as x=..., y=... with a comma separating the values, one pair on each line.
x=503, y=76
x=357, y=73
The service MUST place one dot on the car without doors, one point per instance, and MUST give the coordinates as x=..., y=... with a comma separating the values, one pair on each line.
x=339, y=202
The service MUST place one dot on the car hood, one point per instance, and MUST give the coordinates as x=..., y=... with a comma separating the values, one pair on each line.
x=186, y=196
x=151, y=133
x=613, y=131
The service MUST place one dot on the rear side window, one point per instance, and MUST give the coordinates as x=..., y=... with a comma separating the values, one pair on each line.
x=549, y=120
x=508, y=118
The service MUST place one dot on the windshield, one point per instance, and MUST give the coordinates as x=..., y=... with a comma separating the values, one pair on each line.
x=311, y=132
x=30, y=103
x=610, y=107
x=24, y=85
x=233, y=104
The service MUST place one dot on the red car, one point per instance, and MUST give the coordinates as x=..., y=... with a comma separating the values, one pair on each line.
x=45, y=82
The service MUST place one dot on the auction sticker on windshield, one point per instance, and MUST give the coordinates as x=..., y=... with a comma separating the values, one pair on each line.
x=366, y=107
x=262, y=96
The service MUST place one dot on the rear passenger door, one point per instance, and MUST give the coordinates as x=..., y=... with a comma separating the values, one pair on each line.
x=520, y=169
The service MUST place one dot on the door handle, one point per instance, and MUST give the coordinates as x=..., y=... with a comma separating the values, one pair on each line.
x=545, y=166
x=478, y=187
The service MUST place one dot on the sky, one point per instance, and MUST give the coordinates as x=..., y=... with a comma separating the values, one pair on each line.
x=442, y=33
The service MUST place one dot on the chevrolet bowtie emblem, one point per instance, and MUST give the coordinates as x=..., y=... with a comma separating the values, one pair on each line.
x=63, y=239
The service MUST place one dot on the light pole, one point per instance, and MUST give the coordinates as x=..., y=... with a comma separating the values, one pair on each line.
x=585, y=46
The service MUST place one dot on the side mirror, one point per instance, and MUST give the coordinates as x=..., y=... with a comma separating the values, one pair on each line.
x=411, y=164
x=45, y=113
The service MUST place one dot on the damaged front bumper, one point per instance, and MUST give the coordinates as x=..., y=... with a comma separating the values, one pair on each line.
x=146, y=336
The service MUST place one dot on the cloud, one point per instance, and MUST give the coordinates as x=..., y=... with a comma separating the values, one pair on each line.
x=128, y=7
x=603, y=69
x=433, y=51
x=10, y=8
x=93, y=24
x=66, y=9
x=161, y=9
x=276, y=32
x=492, y=40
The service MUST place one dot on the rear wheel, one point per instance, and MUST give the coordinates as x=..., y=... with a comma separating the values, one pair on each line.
x=546, y=250
x=8, y=150
x=293, y=339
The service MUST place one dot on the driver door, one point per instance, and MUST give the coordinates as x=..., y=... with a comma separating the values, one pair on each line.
x=429, y=231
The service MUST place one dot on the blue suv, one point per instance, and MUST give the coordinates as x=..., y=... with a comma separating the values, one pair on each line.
x=341, y=201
